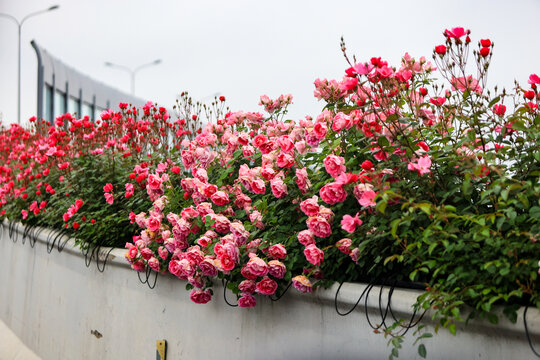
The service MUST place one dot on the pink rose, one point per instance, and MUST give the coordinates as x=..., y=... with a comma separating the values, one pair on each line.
x=302, y=284
x=268, y=173
x=255, y=267
x=285, y=143
x=302, y=179
x=219, y=198
x=163, y=253
x=109, y=198
x=138, y=265
x=320, y=130
x=310, y=207
x=154, y=182
x=349, y=223
x=365, y=195
x=344, y=245
x=279, y=189
x=247, y=286
x=334, y=165
x=210, y=190
x=313, y=254
x=197, y=281
x=146, y=253
x=227, y=262
x=277, y=251
x=247, y=300
x=285, y=160
x=153, y=223
x=319, y=226
x=174, y=268
x=266, y=286
x=333, y=193
x=194, y=255
x=342, y=121
x=200, y=296
x=154, y=263
x=257, y=186
x=305, y=237
x=132, y=253
x=222, y=224
x=355, y=255
x=208, y=268
x=277, y=269
x=259, y=140
x=466, y=83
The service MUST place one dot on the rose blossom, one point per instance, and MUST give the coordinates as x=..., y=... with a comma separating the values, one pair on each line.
x=247, y=300
x=257, y=186
x=154, y=263
x=255, y=267
x=333, y=193
x=154, y=182
x=208, y=267
x=355, y=255
x=247, y=286
x=302, y=284
x=146, y=253
x=163, y=253
x=313, y=254
x=349, y=223
x=310, y=207
x=277, y=269
x=153, y=223
x=365, y=195
x=219, y=198
x=320, y=130
x=302, y=179
x=344, y=245
x=200, y=296
x=319, y=226
x=277, y=251
x=305, y=237
x=279, y=189
x=266, y=286
x=334, y=165
x=285, y=160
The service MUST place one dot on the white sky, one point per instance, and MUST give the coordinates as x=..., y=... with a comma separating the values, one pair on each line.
x=244, y=49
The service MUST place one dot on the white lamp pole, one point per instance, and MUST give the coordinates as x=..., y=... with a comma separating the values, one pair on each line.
x=20, y=24
x=132, y=72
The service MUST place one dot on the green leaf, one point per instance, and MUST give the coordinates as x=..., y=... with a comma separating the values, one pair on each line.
x=422, y=350
x=535, y=212
x=494, y=101
x=381, y=206
x=383, y=141
x=425, y=207
x=452, y=329
x=494, y=319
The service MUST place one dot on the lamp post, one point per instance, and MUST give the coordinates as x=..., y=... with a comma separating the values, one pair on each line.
x=20, y=24
x=132, y=72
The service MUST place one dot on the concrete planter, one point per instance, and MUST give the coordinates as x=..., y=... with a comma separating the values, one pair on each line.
x=63, y=310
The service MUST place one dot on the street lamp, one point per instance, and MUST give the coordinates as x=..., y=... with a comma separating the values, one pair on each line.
x=20, y=24
x=133, y=71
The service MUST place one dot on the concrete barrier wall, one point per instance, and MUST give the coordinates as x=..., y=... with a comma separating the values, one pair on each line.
x=63, y=310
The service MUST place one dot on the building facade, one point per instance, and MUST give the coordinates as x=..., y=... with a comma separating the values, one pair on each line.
x=62, y=89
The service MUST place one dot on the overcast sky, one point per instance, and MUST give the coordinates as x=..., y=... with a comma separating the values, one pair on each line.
x=244, y=49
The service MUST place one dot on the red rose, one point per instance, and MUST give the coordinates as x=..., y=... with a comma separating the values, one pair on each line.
x=266, y=286
x=440, y=49
x=484, y=51
x=485, y=42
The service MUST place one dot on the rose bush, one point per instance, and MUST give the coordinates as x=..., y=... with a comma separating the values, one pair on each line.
x=403, y=176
